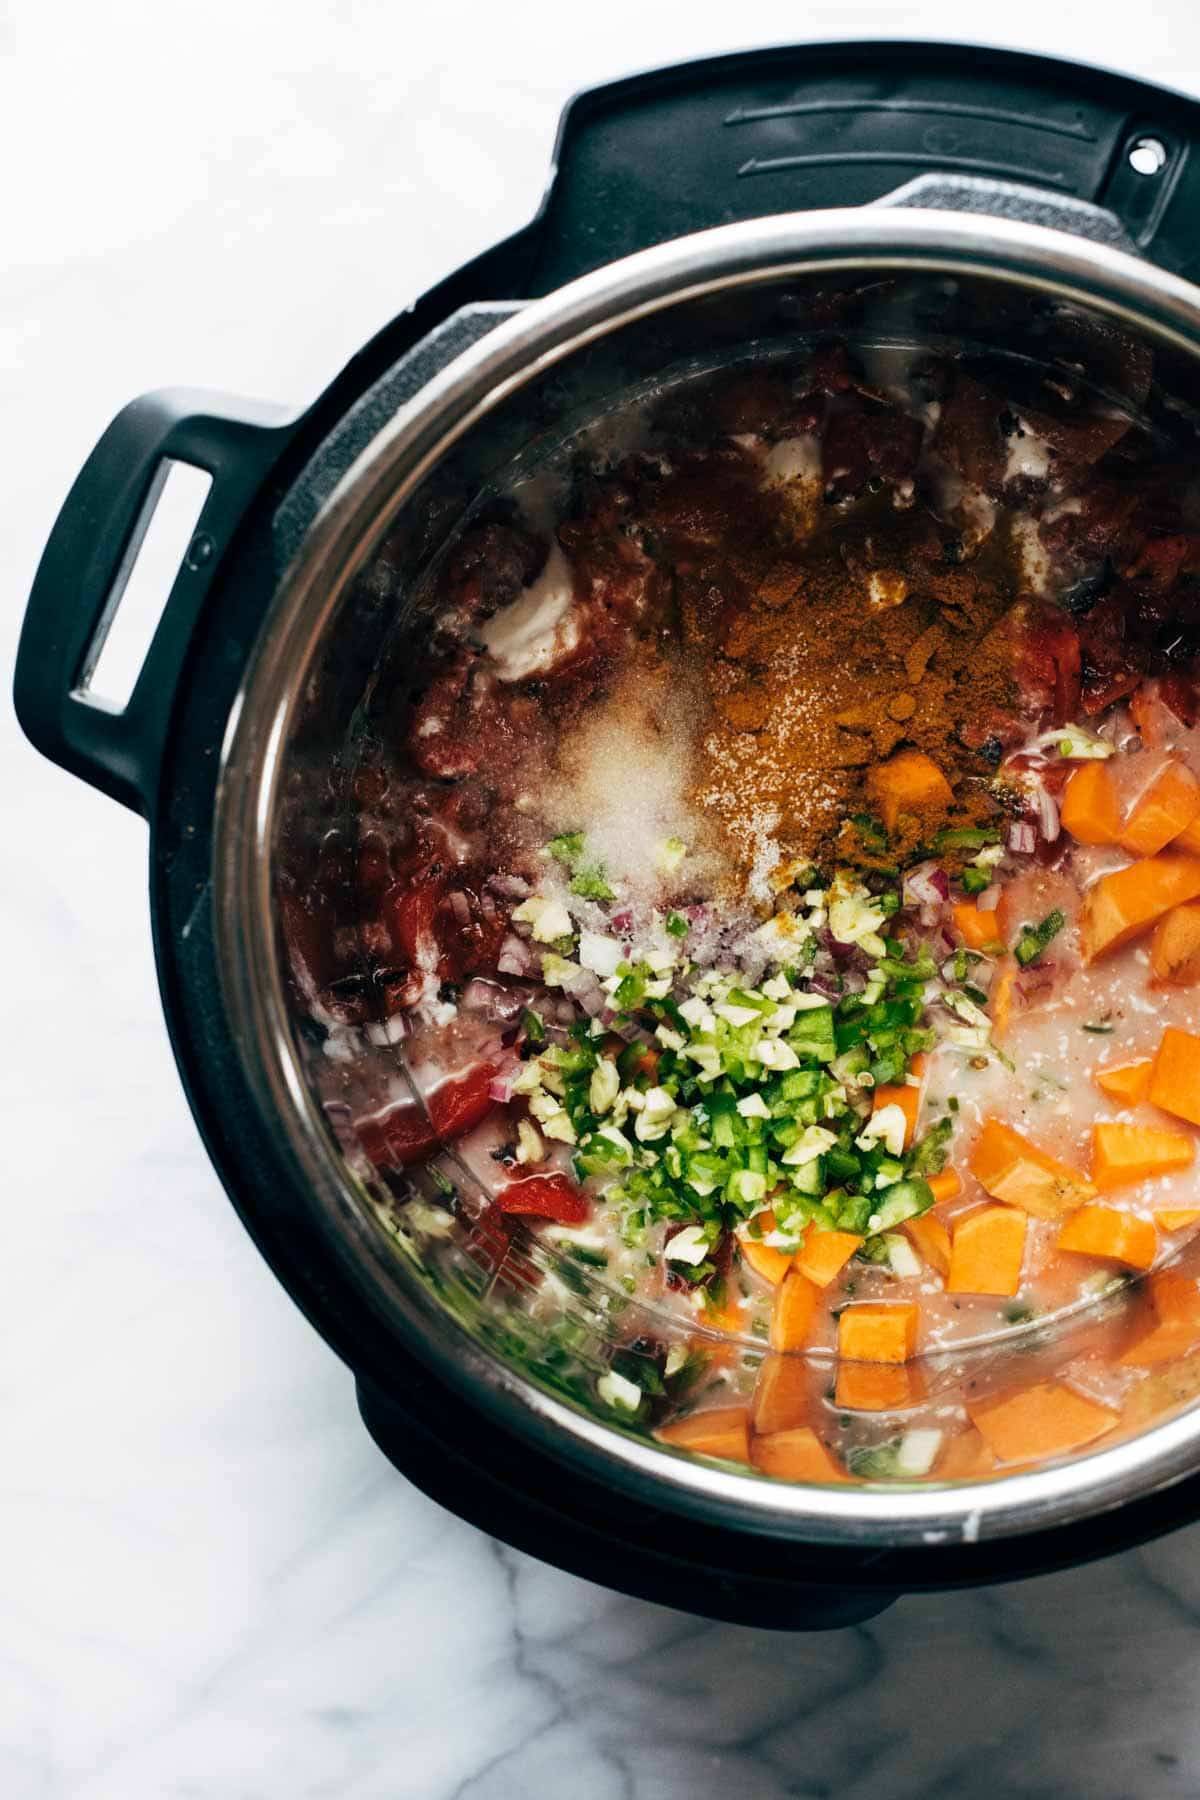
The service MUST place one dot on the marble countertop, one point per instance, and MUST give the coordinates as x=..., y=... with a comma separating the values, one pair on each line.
x=212, y=1586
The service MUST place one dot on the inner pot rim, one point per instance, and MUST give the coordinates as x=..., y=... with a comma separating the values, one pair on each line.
x=390, y=468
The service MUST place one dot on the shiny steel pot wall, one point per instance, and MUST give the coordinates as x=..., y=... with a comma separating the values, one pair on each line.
x=334, y=659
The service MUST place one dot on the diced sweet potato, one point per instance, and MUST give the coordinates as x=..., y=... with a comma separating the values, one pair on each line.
x=721, y=1431
x=1000, y=998
x=1168, y=806
x=782, y=1394
x=878, y=1331
x=1127, y=1083
x=1089, y=808
x=1012, y=1169
x=1189, y=838
x=824, y=1254
x=1175, y=1308
x=1176, y=1218
x=1175, y=1076
x=1175, y=947
x=908, y=783
x=906, y=1095
x=987, y=1248
x=1123, y=1155
x=878, y=1387
x=792, y=1313
x=1121, y=906
x=1046, y=1420
x=976, y=929
x=964, y=1457
x=765, y=1259
x=728, y=1314
x=1115, y=1236
x=797, y=1455
x=932, y=1240
x=946, y=1186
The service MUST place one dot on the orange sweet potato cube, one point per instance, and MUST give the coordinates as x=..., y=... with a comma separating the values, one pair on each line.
x=1169, y=804
x=1121, y=906
x=1175, y=1076
x=1123, y=1155
x=1012, y=1169
x=877, y=1387
x=1089, y=808
x=1127, y=1083
x=976, y=929
x=782, y=1394
x=721, y=1431
x=797, y=1455
x=909, y=782
x=882, y=1331
x=1175, y=947
x=824, y=1254
x=1047, y=1420
x=1175, y=1307
x=792, y=1313
x=931, y=1238
x=987, y=1248
x=1116, y=1236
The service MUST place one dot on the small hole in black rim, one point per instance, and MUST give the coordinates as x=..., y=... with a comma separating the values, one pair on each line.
x=1148, y=156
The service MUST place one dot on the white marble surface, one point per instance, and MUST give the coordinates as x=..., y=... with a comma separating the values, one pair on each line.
x=211, y=1585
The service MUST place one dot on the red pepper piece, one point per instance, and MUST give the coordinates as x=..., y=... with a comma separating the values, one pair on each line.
x=404, y=1135
x=546, y=1197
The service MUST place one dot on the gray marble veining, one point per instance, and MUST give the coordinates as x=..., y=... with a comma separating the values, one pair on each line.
x=211, y=1585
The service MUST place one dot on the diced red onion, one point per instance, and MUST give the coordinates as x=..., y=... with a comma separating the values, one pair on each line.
x=622, y=1026
x=460, y=906
x=585, y=989
x=989, y=900
x=926, y=885
x=622, y=919
x=500, y=1088
x=825, y=985
x=491, y=1000
x=509, y=887
x=926, y=888
x=1022, y=838
x=1047, y=808
x=516, y=957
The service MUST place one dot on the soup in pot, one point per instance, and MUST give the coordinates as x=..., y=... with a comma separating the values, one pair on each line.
x=781, y=887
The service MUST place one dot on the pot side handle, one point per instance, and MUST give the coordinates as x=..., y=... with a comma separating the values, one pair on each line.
x=86, y=566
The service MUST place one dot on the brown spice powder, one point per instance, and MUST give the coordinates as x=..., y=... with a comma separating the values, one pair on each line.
x=813, y=681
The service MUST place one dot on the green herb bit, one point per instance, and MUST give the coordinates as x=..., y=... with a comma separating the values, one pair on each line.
x=443, y=1183
x=1101, y=1027
x=974, y=880
x=1034, y=938
x=567, y=848
x=677, y=925
x=533, y=1026
x=590, y=883
x=966, y=837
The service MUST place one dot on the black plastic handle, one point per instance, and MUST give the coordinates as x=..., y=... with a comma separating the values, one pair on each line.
x=819, y=125
x=88, y=559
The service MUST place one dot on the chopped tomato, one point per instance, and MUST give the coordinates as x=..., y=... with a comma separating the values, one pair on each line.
x=404, y=1134
x=1048, y=661
x=545, y=1197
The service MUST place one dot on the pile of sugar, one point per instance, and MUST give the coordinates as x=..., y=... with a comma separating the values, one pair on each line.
x=625, y=777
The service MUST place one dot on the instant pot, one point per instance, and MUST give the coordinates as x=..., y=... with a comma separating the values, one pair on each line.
x=713, y=211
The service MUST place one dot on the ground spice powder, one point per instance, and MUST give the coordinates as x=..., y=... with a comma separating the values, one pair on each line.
x=825, y=658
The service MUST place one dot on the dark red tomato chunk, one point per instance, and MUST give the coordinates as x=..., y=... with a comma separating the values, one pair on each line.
x=545, y=1197
x=404, y=1134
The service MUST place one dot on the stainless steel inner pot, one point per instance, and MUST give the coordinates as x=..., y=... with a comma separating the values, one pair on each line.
x=347, y=608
